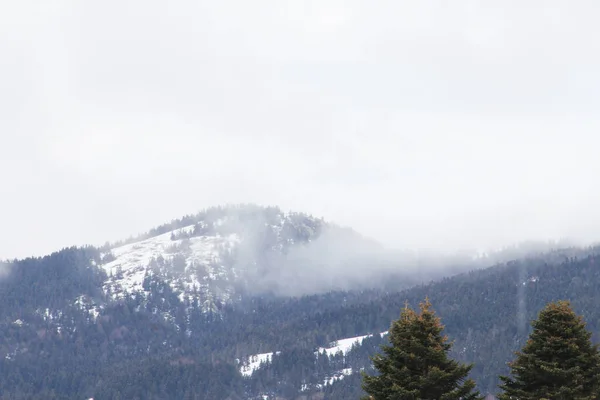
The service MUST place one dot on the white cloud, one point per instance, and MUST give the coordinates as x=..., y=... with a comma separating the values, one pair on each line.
x=421, y=124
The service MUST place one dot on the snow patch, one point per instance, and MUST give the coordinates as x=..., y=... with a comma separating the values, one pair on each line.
x=200, y=258
x=531, y=279
x=49, y=315
x=88, y=305
x=338, y=376
x=255, y=361
x=343, y=345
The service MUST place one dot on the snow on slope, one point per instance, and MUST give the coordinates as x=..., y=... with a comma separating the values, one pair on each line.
x=202, y=256
x=337, y=376
x=345, y=345
x=339, y=346
x=254, y=362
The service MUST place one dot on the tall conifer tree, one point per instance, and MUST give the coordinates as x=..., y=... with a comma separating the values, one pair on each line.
x=558, y=362
x=416, y=366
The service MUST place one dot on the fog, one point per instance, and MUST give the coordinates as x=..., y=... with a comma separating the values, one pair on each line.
x=294, y=254
x=427, y=126
x=5, y=269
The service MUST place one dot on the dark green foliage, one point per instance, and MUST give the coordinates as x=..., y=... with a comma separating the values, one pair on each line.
x=416, y=364
x=60, y=351
x=558, y=361
x=182, y=378
x=481, y=311
x=347, y=388
x=52, y=281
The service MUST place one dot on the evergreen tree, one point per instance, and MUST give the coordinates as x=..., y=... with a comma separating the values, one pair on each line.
x=416, y=365
x=558, y=361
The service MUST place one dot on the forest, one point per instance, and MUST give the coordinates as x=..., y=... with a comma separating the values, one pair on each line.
x=53, y=348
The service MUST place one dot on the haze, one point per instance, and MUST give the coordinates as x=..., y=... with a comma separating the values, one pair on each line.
x=438, y=125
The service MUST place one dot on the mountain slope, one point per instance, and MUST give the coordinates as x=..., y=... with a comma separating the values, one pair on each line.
x=195, y=298
x=485, y=312
x=223, y=250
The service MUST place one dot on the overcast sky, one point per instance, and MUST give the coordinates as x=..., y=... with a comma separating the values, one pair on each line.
x=421, y=124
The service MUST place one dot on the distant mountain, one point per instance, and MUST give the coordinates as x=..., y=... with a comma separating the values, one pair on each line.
x=212, y=256
x=191, y=308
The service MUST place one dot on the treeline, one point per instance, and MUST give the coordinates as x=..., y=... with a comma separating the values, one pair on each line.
x=222, y=220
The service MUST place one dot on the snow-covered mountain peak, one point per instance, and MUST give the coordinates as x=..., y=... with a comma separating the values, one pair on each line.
x=204, y=258
x=186, y=263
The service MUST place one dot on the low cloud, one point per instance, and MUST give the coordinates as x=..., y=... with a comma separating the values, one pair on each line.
x=424, y=126
x=5, y=269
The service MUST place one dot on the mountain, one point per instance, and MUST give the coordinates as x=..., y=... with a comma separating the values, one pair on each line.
x=486, y=312
x=167, y=292
x=225, y=250
x=191, y=308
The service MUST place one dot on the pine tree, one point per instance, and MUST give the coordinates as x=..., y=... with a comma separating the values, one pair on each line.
x=416, y=366
x=558, y=362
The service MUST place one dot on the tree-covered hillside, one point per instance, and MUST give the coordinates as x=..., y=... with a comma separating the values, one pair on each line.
x=64, y=335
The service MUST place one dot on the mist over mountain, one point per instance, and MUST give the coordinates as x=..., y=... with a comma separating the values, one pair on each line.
x=412, y=149
x=246, y=248
x=263, y=250
x=255, y=250
x=253, y=297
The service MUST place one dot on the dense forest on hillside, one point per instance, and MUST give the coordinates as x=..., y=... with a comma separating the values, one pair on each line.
x=63, y=336
x=54, y=350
